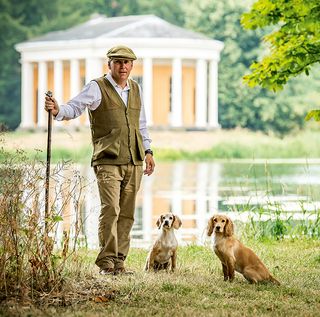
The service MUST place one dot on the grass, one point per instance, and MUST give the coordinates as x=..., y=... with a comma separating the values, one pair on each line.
x=244, y=145
x=178, y=145
x=195, y=289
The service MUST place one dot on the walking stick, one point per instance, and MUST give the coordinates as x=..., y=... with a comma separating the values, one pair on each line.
x=46, y=211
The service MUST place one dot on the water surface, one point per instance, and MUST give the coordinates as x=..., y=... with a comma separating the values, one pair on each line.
x=196, y=190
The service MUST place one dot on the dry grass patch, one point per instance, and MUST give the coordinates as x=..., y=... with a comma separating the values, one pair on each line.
x=196, y=289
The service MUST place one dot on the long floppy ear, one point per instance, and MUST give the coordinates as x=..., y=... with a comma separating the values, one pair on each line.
x=228, y=229
x=176, y=222
x=210, y=227
x=159, y=222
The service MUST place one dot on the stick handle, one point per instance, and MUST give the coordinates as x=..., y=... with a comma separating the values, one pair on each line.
x=46, y=212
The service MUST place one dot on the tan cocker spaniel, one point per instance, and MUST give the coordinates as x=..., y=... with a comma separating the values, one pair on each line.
x=233, y=255
x=163, y=254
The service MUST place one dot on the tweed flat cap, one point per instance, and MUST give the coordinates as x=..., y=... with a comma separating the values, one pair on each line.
x=121, y=52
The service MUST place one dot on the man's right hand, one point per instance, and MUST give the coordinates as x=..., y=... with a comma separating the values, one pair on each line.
x=51, y=104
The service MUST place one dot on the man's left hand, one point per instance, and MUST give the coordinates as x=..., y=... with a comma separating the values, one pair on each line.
x=149, y=165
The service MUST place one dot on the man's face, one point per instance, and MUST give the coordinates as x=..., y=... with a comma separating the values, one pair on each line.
x=120, y=69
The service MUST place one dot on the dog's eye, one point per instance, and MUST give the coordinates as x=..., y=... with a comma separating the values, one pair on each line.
x=170, y=218
x=215, y=220
x=223, y=220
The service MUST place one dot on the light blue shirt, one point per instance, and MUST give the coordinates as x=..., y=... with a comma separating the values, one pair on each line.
x=90, y=97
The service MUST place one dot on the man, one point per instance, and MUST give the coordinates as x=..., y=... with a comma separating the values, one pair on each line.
x=120, y=144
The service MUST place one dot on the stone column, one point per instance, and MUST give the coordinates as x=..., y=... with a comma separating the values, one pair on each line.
x=147, y=89
x=176, y=93
x=74, y=77
x=201, y=94
x=58, y=80
x=75, y=84
x=94, y=68
x=213, y=94
x=58, y=84
x=27, y=107
x=42, y=88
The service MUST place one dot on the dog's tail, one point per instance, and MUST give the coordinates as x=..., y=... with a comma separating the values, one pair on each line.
x=274, y=280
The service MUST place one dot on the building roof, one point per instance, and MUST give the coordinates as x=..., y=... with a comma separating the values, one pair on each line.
x=138, y=26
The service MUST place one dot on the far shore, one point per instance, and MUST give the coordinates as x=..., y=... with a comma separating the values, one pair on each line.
x=236, y=145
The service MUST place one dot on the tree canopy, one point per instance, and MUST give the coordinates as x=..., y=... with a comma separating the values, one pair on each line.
x=239, y=106
x=294, y=43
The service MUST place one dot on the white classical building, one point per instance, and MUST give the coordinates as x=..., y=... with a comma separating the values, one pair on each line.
x=177, y=69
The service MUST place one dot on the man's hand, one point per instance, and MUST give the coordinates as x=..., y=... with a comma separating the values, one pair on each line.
x=149, y=165
x=51, y=104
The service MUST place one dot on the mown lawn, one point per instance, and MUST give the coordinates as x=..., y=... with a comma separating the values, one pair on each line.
x=195, y=289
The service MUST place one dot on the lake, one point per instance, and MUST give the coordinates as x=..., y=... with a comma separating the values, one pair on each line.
x=196, y=190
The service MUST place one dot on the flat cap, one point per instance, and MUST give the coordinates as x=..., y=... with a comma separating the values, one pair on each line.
x=121, y=52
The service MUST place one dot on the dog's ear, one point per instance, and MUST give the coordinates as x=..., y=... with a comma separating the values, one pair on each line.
x=210, y=227
x=228, y=229
x=176, y=222
x=159, y=221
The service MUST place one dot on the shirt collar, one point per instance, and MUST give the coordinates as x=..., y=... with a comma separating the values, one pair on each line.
x=114, y=84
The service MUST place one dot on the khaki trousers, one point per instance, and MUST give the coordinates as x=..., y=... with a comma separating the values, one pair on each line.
x=118, y=187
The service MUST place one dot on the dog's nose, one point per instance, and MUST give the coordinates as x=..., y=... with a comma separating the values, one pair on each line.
x=217, y=227
x=166, y=223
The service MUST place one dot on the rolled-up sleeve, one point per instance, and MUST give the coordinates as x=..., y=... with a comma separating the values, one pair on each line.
x=89, y=97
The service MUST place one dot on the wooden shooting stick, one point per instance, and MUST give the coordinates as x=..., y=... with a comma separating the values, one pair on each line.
x=46, y=211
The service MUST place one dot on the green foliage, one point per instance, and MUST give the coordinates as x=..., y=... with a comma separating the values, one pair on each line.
x=169, y=10
x=313, y=114
x=294, y=42
x=19, y=21
x=240, y=106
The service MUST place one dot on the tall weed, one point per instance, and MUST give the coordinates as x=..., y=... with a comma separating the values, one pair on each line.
x=30, y=262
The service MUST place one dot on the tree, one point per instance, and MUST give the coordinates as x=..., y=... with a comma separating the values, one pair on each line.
x=21, y=20
x=294, y=42
x=240, y=106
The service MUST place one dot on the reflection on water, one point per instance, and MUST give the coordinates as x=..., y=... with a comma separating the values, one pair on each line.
x=195, y=191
